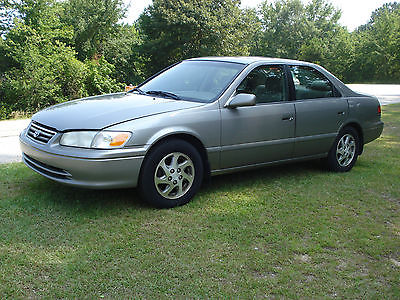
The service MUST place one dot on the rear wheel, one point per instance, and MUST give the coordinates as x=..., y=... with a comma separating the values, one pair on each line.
x=344, y=152
x=171, y=174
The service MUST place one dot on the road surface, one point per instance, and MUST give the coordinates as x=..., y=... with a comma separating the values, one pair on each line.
x=9, y=130
x=9, y=144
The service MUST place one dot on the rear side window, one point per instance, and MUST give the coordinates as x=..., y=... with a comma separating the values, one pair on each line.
x=267, y=83
x=310, y=84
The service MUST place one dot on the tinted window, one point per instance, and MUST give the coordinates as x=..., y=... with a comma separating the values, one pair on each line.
x=309, y=83
x=201, y=81
x=267, y=83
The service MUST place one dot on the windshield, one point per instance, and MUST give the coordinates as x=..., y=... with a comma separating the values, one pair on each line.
x=202, y=81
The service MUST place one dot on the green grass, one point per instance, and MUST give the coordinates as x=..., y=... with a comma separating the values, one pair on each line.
x=292, y=231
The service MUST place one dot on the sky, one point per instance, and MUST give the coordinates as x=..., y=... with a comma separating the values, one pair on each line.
x=354, y=12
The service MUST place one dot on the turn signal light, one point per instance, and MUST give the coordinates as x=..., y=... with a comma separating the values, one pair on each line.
x=119, y=139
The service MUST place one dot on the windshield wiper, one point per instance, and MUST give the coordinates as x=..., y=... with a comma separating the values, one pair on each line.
x=136, y=89
x=165, y=94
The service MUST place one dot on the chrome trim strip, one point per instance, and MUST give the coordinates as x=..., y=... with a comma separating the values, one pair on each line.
x=45, y=134
x=44, y=168
x=257, y=144
x=316, y=137
x=42, y=128
x=260, y=165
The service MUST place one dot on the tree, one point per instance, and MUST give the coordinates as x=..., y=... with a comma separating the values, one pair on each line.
x=173, y=30
x=377, y=46
x=94, y=22
x=8, y=11
x=98, y=33
x=335, y=52
x=288, y=25
x=122, y=50
x=41, y=68
x=283, y=28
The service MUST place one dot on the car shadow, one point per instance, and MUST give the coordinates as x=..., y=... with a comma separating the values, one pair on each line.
x=83, y=199
x=265, y=174
x=87, y=199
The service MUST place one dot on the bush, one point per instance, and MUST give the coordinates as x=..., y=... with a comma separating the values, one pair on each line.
x=99, y=78
x=4, y=112
x=45, y=77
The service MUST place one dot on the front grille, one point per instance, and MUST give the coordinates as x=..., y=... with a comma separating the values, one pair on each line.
x=44, y=169
x=40, y=133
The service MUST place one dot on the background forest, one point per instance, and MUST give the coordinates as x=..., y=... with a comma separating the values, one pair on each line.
x=53, y=51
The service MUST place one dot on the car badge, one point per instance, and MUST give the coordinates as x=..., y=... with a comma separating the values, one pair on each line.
x=36, y=133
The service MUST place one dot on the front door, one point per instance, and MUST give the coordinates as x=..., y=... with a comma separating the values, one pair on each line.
x=264, y=132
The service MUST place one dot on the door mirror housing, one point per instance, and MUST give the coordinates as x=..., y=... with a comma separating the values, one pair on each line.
x=241, y=100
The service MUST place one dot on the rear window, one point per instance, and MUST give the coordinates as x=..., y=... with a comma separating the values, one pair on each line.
x=310, y=83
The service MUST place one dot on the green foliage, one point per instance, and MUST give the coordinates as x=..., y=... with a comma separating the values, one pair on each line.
x=122, y=52
x=307, y=32
x=8, y=11
x=377, y=47
x=52, y=51
x=94, y=22
x=335, y=52
x=48, y=76
x=175, y=30
x=288, y=25
x=98, y=79
x=43, y=70
x=283, y=28
x=39, y=68
x=5, y=112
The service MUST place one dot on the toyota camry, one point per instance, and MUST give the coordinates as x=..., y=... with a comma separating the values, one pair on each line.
x=202, y=117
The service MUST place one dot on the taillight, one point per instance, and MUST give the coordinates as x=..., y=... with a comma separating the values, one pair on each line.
x=379, y=109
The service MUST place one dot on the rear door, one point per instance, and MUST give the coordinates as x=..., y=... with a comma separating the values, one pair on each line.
x=320, y=111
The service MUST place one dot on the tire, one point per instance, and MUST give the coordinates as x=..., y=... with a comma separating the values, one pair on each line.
x=344, y=152
x=171, y=174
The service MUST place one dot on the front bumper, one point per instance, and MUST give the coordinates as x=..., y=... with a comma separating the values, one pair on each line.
x=88, y=168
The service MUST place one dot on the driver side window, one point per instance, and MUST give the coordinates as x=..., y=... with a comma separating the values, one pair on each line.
x=267, y=83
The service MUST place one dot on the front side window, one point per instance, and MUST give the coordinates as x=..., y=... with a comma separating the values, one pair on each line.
x=202, y=81
x=267, y=83
x=310, y=83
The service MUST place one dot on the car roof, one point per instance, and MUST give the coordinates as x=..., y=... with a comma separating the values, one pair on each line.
x=250, y=59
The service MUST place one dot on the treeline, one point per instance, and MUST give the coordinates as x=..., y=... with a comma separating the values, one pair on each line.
x=53, y=51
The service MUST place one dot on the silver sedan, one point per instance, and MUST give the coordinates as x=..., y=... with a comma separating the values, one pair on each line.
x=201, y=117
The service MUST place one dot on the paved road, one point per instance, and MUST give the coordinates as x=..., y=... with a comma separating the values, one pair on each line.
x=386, y=93
x=9, y=130
x=9, y=145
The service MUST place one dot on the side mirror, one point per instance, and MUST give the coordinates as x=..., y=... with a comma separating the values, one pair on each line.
x=241, y=100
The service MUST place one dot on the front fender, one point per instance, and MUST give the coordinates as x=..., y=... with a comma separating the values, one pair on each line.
x=203, y=123
x=171, y=131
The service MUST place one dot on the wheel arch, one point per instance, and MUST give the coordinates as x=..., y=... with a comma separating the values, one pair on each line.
x=191, y=139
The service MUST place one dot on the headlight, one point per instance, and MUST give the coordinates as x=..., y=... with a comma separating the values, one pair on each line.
x=110, y=139
x=78, y=138
x=95, y=139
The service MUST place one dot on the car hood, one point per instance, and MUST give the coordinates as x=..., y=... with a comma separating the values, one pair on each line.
x=99, y=112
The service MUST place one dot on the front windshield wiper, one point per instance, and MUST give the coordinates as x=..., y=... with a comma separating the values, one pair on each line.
x=165, y=94
x=136, y=89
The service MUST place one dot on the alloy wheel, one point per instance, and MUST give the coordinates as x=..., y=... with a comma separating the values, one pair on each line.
x=345, y=150
x=174, y=175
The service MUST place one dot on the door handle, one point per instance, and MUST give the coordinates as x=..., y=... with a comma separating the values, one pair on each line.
x=287, y=118
x=341, y=113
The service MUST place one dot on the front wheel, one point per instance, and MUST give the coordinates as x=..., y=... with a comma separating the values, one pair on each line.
x=344, y=152
x=171, y=174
